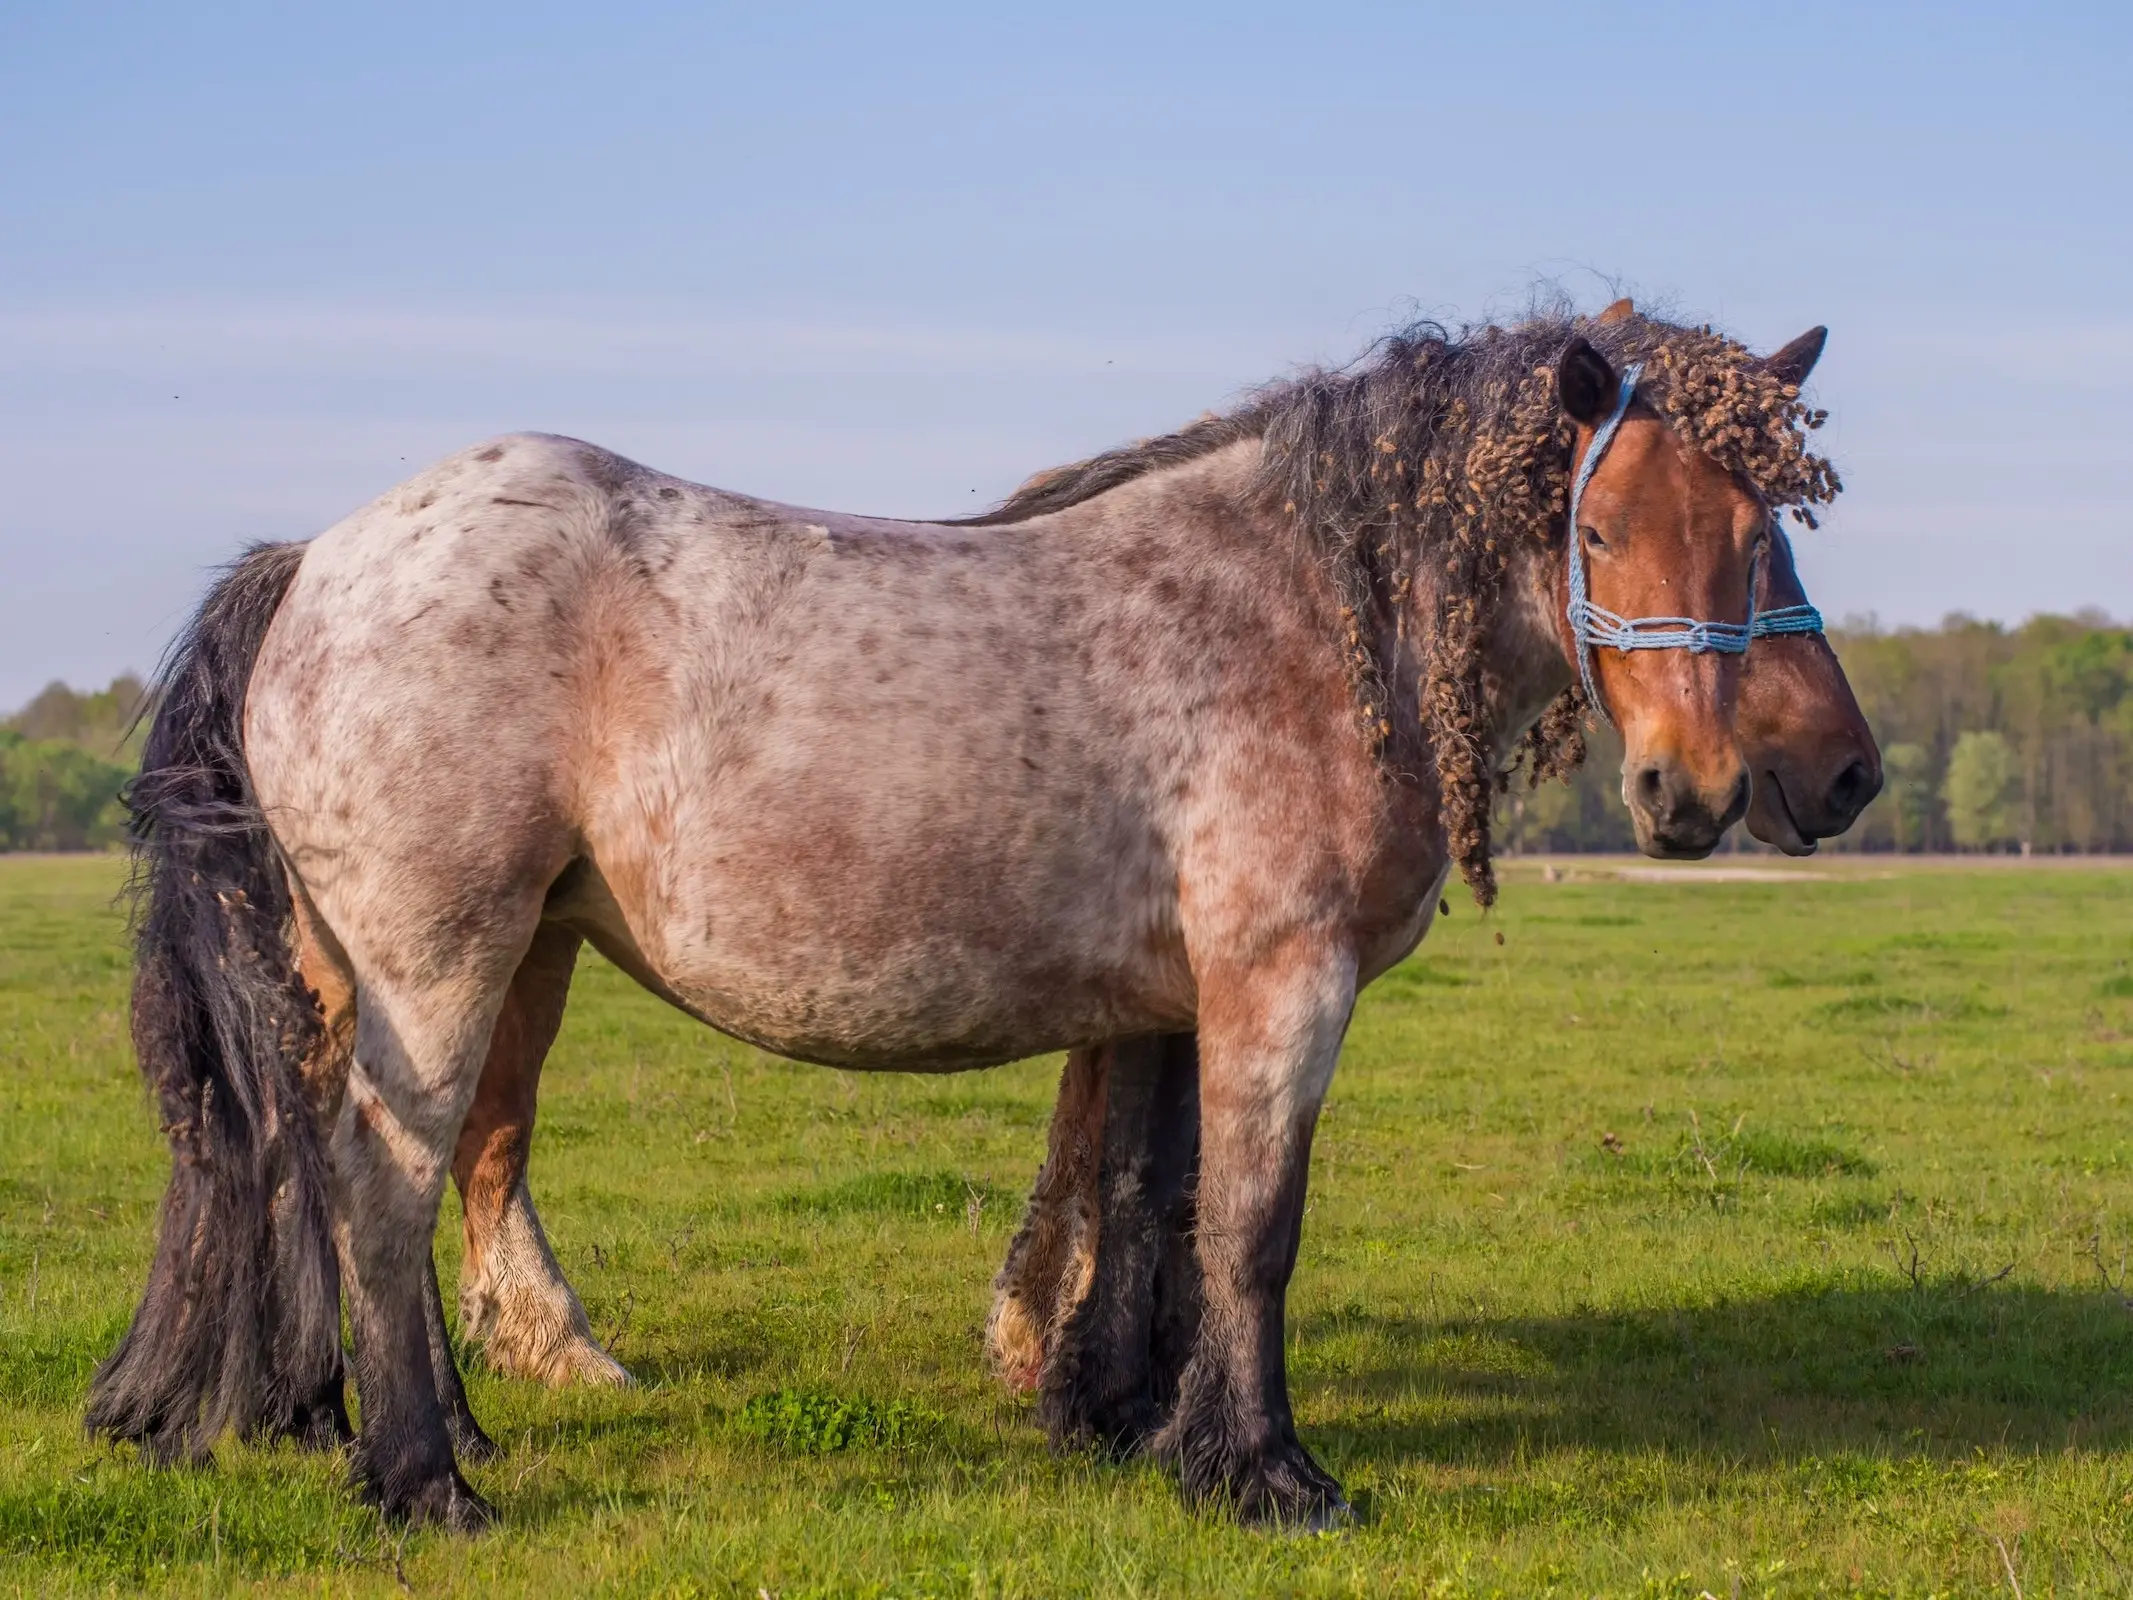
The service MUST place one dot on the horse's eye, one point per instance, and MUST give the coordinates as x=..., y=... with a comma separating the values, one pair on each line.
x=1592, y=538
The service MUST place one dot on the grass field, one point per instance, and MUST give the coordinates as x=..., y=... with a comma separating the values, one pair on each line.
x=1738, y=1237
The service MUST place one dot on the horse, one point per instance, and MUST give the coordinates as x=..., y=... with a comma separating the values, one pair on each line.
x=1813, y=765
x=1184, y=739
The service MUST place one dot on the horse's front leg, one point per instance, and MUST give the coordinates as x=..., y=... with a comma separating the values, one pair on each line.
x=1052, y=1266
x=1100, y=1383
x=1179, y=1297
x=1269, y=1036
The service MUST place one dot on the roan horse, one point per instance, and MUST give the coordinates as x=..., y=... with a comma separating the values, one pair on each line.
x=1186, y=740
x=1814, y=767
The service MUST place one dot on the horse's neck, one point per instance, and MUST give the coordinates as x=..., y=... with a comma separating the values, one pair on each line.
x=1523, y=667
x=1214, y=503
x=1524, y=662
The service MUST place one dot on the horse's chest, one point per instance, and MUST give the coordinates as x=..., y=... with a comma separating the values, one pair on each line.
x=1401, y=885
x=1390, y=938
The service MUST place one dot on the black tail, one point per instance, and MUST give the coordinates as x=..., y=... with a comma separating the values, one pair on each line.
x=240, y=1324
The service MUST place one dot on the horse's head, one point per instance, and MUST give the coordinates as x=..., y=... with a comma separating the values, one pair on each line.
x=1663, y=547
x=1811, y=756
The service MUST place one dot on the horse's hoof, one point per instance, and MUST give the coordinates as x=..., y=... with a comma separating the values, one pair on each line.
x=1290, y=1501
x=322, y=1425
x=445, y=1500
x=1280, y=1488
x=568, y=1361
x=1284, y=1505
x=1126, y=1431
x=449, y=1503
x=587, y=1365
x=1117, y=1430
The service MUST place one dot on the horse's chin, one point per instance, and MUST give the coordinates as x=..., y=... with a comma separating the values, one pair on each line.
x=1772, y=822
x=1651, y=844
x=1663, y=852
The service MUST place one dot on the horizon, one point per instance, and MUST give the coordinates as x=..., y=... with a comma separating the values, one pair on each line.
x=256, y=268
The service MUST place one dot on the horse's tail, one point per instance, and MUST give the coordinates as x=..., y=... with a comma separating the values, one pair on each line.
x=239, y=1326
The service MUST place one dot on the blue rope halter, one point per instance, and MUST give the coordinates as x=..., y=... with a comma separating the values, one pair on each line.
x=1595, y=627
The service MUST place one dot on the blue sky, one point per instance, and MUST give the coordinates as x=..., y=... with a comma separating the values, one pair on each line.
x=258, y=262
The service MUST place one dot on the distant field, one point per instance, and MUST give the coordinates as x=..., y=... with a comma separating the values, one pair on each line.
x=1823, y=1315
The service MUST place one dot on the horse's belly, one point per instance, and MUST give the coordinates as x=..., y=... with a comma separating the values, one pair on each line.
x=934, y=951
x=979, y=1017
x=923, y=1006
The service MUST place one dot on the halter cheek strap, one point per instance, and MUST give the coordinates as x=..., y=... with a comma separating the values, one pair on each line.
x=1595, y=627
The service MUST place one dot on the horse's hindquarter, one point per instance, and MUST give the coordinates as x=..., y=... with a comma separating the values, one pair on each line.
x=406, y=718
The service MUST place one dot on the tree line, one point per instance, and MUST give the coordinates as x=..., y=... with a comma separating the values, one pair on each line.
x=1992, y=738
x=63, y=759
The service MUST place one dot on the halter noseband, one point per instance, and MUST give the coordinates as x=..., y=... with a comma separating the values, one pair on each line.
x=1595, y=627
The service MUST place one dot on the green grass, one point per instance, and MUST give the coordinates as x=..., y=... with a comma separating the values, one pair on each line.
x=1657, y=1250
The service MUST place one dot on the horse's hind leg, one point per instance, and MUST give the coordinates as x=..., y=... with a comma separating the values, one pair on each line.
x=427, y=997
x=1100, y=1380
x=325, y=969
x=1052, y=1267
x=506, y=1298
x=468, y=1437
x=513, y=1298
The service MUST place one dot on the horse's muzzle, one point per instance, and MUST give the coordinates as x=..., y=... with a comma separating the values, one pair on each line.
x=1678, y=817
x=1803, y=805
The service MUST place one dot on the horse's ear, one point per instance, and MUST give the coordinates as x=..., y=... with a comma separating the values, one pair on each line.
x=1621, y=311
x=1585, y=382
x=1793, y=363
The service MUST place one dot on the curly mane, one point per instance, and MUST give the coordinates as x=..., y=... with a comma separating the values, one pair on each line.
x=1428, y=459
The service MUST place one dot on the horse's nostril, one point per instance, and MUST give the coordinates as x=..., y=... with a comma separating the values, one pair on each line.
x=1854, y=786
x=1651, y=789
